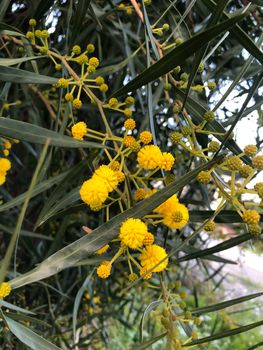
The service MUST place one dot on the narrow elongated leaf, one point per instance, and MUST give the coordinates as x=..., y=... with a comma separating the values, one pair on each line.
x=240, y=34
x=88, y=244
x=225, y=216
x=149, y=342
x=14, y=307
x=16, y=75
x=197, y=112
x=232, y=242
x=79, y=16
x=252, y=91
x=212, y=21
x=146, y=312
x=28, y=337
x=41, y=187
x=226, y=333
x=36, y=134
x=224, y=304
x=177, y=56
x=12, y=61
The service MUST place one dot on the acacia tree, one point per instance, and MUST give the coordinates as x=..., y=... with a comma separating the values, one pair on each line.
x=118, y=165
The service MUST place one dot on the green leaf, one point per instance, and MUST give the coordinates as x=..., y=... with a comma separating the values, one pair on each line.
x=226, y=333
x=224, y=304
x=33, y=133
x=88, y=244
x=232, y=242
x=11, y=246
x=240, y=34
x=149, y=342
x=6, y=29
x=28, y=337
x=69, y=198
x=41, y=187
x=252, y=91
x=14, y=307
x=197, y=112
x=78, y=19
x=177, y=56
x=52, y=205
x=12, y=61
x=16, y=75
x=146, y=312
x=225, y=216
x=200, y=54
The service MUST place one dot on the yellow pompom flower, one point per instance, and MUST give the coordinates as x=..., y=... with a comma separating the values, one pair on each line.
x=127, y=112
x=90, y=48
x=77, y=103
x=7, y=144
x=177, y=218
x=167, y=206
x=167, y=161
x=250, y=150
x=79, y=130
x=144, y=274
x=140, y=194
x=5, y=289
x=128, y=141
x=76, y=49
x=99, y=80
x=108, y=175
x=129, y=124
x=103, y=249
x=113, y=102
x=104, y=87
x=148, y=239
x=257, y=162
x=94, y=192
x=94, y=61
x=251, y=217
x=6, y=152
x=120, y=176
x=146, y=137
x=2, y=179
x=104, y=270
x=153, y=255
x=115, y=165
x=63, y=83
x=5, y=164
x=150, y=157
x=132, y=233
x=69, y=97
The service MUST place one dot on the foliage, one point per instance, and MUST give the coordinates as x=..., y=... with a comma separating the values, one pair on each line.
x=119, y=167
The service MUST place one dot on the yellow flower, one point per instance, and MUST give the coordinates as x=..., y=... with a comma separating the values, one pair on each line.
x=132, y=233
x=5, y=289
x=167, y=206
x=94, y=192
x=79, y=130
x=2, y=179
x=93, y=61
x=104, y=87
x=151, y=256
x=128, y=141
x=103, y=249
x=115, y=165
x=148, y=239
x=129, y=124
x=251, y=217
x=146, y=137
x=144, y=274
x=76, y=49
x=77, y=103
x=108, y=175
x=167, y=161
x=140, y=194
x=99, y=80
x=5, y=164
x=104, y=269
x=7, y=144
x=120, y=176
x=149, y=157
x=177, y=218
